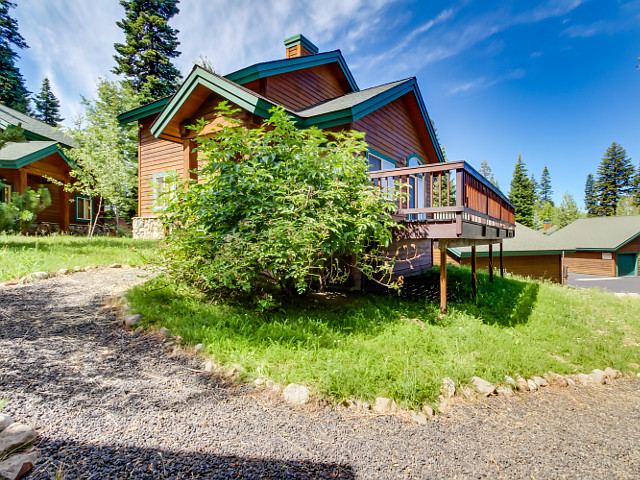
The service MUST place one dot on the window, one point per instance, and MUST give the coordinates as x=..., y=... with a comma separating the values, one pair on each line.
x=378, y=163
x=162, y=185
x=5, y=192
x=83, y=208
x=417, y=184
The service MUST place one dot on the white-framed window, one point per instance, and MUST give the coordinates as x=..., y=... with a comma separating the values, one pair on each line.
x=83, y=208
x=162, y=186
x=379, y=163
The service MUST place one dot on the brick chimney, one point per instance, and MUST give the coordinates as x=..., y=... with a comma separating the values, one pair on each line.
x=299, y=46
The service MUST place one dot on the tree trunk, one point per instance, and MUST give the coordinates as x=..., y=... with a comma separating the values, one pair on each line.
x=93, y=226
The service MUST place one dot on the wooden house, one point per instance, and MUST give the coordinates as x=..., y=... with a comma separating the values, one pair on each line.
x=449, y=201
x=606, y=246
x=32, y=163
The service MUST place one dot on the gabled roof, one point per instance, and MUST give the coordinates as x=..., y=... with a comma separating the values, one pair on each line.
x=33, y=129
x=19, y=154
x=276, y=67
x=525, y=242
x=143, y=111
x=599, y=233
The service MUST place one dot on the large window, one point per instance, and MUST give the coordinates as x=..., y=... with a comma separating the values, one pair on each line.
x=83, y=208
x=162, y=185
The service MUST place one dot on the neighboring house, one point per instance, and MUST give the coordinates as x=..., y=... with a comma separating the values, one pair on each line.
x=607, y=246
x=529, y=254
x=318, y=89
x=32, y=163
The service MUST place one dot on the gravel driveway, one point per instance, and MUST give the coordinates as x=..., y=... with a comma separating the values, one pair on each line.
x=111, y=404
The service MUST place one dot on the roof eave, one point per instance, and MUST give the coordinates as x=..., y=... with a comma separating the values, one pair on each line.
x=143, y=111
x=35, y=156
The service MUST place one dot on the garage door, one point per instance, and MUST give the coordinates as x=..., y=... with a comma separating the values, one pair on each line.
x=627, y=264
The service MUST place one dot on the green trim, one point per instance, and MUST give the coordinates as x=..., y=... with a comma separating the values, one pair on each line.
x=524, y=253
x=627, y=241
x=228, y=90
x=578, y=249
x=276, y=67
x=381, y=155
x=302, y=40
x=86, y=197
x=142, y=111
x=35, y=156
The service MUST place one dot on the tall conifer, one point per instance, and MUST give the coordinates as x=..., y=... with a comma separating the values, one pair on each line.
x=47, y=105
x=614, y=180
x=546, y=191
x=590, y=196
x=522, y=194
x=13, y=93
x=150, y=45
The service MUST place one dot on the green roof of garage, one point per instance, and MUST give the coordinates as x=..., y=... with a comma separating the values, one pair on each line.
x=599, y=233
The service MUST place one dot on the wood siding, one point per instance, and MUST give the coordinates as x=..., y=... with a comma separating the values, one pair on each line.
x=391, y=131
x=591, y=263
x=154, y=156
x=411, y=256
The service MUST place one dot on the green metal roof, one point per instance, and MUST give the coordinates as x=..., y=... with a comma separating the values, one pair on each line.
x=19, y=154
x=599, y=233
x=33, y=129
x=143, y=111
x=525, y=242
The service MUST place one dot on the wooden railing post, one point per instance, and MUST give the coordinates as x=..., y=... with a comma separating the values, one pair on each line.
x=460, y=187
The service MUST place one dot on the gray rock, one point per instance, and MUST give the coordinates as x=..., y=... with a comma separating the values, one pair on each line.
x=77, y=269
x=40, y=275
x=559, y=380
x=610, y=373
x=427, y=410
x=295, y=394
x=510, y=382
x=15, y=436
x=164, y=331
x=360, y=405
x=419, y=417
x=209, y=366
x=445, y=405
x=5, y=421
x=523, y=385
x=505, y=391
x=17, y=466
x=198, y=347
x=598, y=376
x=482, y=386
x=259, y=382
x=540, y=382
x=448, y=388
x=64, y=271
x=131, y=320
x=584, y=379
x=533, y=386
x=382, y=405
x=570, y=382
x=139, y=329
x=115, y=265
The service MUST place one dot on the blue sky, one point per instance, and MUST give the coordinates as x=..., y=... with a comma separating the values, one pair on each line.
x=555, y=81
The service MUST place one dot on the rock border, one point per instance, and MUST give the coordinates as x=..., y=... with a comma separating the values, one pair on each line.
x=17, y=457
x=39, y=276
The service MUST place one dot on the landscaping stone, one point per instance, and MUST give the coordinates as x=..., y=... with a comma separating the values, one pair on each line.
x=533, y=386
x=445, y=405
x=198, y=347
x=419, y=417
x=382, y=405
x=17, y=466
x=139, y=329
x=540, y=382
x=584, y=379
x=610, y=373
x=15, y=436
x=482, y=386
x=164, y=331
x=40, y=275
x=12, y=282
x=360, y=405
x=131, y=320
x=115, y=265
x=467, y=393
x=511, y=382
x=77, y=269
x=504, y=391
x=598, y=376
x=209, y=366
x=64, y=271
x=558, y=380
x=5, y=421
x=448, y=388
x=523, y=385
x=295, y=394
x=259, y=382
x=427, y=410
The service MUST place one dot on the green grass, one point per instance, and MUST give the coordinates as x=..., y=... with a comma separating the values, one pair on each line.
x=20, y=254
x=372, y=346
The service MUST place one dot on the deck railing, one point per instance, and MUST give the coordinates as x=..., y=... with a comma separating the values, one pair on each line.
x=446, y=192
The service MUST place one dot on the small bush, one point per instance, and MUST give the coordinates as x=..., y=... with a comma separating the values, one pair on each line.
x=18, y=215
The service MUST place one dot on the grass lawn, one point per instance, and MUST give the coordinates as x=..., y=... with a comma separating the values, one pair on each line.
x=369, y=346
x=20, y=255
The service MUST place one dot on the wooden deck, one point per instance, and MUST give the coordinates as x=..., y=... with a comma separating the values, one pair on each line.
x=448, y=201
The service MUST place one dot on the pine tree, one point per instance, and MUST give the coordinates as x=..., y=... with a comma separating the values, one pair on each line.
x=521, y=194
x=614, y=179
x=486, y=172
x=545, y=187
x=145, y=59
x=568, y=211
x=535, y=186
x=47, y=105
x=590, y=197
x=13, y=93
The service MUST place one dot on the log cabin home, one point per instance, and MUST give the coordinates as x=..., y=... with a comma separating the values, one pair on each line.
x=32, y=163
x=449, y=201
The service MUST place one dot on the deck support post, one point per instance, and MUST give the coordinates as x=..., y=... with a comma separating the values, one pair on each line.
x=501, y=262
x=491, y=263
x=443, y=276
x=474, y=287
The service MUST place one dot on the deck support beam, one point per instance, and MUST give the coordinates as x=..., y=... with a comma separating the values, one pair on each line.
x=474, y=286
x=501, y=262
x=491, y=263
x=443, y=277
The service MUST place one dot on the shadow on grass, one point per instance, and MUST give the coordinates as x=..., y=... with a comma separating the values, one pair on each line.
x=505, y=302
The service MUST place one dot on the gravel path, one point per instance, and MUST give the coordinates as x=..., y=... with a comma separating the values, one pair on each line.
x=111, y=404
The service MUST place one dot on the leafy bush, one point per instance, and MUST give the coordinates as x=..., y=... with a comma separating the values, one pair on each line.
x=290, y=206
x=18, y=215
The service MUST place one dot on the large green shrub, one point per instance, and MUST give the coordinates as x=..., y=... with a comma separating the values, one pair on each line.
x=294, y=207
x=18, y=215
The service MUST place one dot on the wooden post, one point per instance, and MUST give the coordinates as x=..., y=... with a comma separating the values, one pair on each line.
x=473, y=272
x=21, y=182
x=443, y=277
x=501, y=262
x=189, y=159
x=491, y=263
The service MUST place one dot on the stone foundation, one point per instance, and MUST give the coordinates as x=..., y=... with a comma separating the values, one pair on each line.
x=147, y=228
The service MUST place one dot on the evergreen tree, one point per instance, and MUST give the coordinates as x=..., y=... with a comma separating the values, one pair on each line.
x=521, y=194
x=47, y=105
x=145, y=59
x=545, y=187
x=12, y=134
x=13, y=93
x=486, y=172
x=568, y=211
x=614, y=180
x=590, y=196
x=535, y=186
